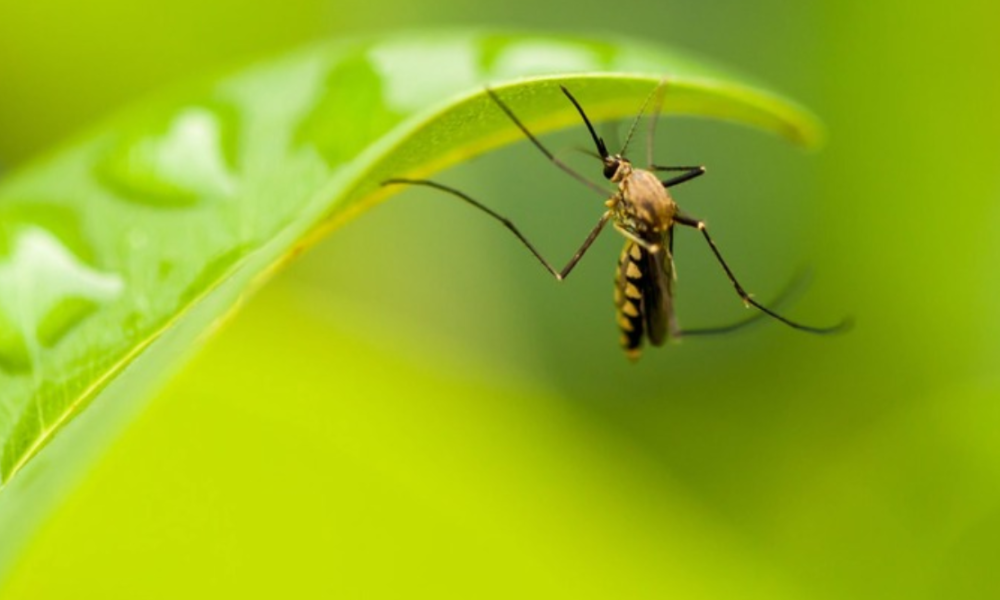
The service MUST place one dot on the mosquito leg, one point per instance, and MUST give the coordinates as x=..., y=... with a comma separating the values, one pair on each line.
x=662, y=168
x=654, y=115
x=724, y=328
x=749, y=301
x=651, y=248
x=689, y=174
x=794, y=286
x=597, y=188
x=585, y=245
x=559, y=275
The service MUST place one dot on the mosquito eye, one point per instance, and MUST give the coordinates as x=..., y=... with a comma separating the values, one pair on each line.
x=610, y=169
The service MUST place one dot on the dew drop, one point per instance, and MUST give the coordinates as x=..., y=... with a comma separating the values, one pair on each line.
x=45, y=291
x=184, y=166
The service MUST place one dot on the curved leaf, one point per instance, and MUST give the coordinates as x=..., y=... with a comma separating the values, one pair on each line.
x=117, y=252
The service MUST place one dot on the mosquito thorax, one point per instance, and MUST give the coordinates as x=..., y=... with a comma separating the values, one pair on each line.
x=645, y=205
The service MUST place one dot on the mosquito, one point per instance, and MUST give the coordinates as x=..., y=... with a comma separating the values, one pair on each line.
x=644, y=212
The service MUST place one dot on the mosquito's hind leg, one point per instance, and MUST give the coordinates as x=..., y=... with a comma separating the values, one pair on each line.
x=560, y=274
x=747, y=299
x=793, y=287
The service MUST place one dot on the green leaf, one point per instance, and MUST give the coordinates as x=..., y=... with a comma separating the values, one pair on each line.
x=121, y=249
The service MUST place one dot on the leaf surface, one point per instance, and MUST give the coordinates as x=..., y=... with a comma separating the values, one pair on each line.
x=119, y=250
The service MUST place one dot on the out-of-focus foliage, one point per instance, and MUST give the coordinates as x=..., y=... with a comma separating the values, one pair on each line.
x=482, y=435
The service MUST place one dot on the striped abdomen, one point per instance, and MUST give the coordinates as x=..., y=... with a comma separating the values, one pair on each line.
x=644, y=297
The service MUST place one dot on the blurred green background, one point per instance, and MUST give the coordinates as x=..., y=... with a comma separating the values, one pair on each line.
x=436, y=417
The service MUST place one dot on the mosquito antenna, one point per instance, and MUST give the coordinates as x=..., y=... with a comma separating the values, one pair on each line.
x=601, y=148
x=638, y=117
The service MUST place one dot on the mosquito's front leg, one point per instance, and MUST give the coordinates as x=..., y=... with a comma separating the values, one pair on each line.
x=600, y=143
x=559, y=275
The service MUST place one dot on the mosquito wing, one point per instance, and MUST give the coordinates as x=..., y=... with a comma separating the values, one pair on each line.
x=658, y=292
x=644, y=296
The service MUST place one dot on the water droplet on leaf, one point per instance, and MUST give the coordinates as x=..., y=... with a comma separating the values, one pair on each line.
x=45, y=291
x=184, y=166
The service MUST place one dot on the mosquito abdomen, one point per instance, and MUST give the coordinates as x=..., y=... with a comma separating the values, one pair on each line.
x=628, y=299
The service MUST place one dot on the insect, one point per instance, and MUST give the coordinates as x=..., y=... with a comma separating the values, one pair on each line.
x=644, y=212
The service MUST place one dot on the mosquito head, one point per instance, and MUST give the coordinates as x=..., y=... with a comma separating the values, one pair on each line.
x=616, y=168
